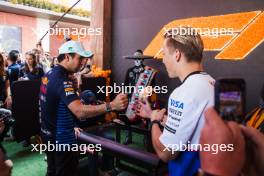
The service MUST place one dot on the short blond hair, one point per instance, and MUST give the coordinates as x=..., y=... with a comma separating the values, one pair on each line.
x=190, y=43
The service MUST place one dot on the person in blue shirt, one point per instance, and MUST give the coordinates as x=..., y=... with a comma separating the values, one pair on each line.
x=31, y=70
x=60, y=106
x=13, y=68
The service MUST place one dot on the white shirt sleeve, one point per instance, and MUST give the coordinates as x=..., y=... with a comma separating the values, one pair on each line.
x=183, y=117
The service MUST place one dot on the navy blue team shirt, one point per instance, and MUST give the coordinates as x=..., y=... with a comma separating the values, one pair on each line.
x=31, y=75
x=56, y=93
x=13, y=72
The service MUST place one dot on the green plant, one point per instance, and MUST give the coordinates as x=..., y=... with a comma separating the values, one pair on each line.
x=43, y=4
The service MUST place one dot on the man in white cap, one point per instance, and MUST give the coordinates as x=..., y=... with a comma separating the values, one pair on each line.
x=60, y=105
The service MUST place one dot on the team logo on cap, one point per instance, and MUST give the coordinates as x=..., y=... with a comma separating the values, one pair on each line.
x=70, y=48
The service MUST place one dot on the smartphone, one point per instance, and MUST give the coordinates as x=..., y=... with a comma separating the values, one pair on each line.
x=230, y=99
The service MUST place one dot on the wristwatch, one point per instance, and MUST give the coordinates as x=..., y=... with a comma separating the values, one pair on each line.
x=108, y=107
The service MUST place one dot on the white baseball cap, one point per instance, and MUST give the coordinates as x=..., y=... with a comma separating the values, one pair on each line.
x=74, y=47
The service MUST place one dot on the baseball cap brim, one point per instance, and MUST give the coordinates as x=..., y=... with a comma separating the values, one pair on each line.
x=85, y=53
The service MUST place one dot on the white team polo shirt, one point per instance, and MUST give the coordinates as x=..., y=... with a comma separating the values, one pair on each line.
x=186, y=107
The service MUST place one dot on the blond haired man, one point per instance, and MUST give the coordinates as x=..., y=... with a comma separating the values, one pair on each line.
x=183, y=52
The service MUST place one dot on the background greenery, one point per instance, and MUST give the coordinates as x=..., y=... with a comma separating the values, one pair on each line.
x=43, y=4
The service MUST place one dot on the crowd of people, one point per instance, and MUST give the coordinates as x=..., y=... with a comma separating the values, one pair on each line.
x=61, y=104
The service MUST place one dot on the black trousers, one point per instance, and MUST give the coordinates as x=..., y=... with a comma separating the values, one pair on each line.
x=62, y=163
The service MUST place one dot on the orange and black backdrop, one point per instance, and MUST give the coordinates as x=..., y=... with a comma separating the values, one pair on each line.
x=137, y=23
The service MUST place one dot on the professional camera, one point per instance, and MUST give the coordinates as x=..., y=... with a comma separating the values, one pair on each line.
x=8, y=120
x=6, y=116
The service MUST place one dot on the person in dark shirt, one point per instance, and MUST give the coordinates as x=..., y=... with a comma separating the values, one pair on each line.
x=20, y=60
x=60, y=105
x=13, y=68
x=54, y=62
x=31, y=71
x=5, y=96
x=5, y=101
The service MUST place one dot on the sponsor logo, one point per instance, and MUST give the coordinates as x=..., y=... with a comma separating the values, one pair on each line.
x=176, y=104
x=69, y=93
x=43, y=89
x=44, y=80
x=67, y=86
x=175, y=112
x=67, y=83
x=169, y=122
x=69, y=89
x=174, y=118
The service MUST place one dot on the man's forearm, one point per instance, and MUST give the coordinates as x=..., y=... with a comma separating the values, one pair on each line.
x=88, y=111
x=163, y=154
x=85, y=111
x=155, y=135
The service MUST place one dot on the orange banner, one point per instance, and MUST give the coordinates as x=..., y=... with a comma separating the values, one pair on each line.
x=234, y=35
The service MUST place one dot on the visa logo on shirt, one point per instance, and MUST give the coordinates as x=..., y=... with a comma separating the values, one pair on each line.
x=176, y=104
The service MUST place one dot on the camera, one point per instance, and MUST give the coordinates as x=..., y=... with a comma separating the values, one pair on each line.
x=8, y=121
x=7, y=118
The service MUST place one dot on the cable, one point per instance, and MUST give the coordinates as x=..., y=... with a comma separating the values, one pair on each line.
x=60, y=19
